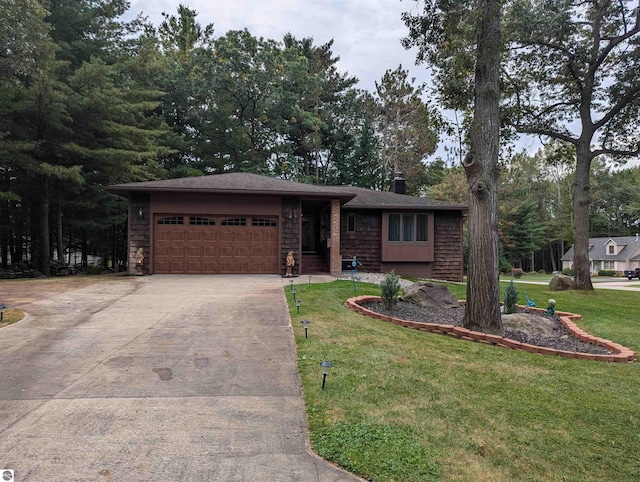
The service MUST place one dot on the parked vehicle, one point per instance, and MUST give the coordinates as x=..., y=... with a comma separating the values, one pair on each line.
x=632, y=273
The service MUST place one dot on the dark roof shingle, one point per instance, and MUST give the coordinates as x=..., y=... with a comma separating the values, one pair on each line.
x=246, y=183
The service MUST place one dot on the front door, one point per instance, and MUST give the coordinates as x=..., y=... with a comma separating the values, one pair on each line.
x=308, y=235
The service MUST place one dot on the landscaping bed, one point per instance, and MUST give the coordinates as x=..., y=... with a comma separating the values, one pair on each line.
x=558, y=337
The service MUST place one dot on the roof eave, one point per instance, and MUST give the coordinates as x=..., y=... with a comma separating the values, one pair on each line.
x=125, y=190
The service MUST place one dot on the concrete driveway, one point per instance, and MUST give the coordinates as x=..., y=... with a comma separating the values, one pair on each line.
x=155, y=378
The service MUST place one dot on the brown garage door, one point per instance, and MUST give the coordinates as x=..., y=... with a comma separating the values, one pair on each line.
x=186, y=244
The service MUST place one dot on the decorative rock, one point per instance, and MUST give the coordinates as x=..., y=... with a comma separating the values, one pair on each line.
x=427, y=294
x=529, y=323
x=560, y=282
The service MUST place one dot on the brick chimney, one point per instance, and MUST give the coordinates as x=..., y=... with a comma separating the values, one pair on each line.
x=398, y=185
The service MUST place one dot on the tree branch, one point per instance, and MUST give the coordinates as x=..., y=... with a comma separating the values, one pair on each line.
x=547, y=133
x=616, y=152
x=621, y=104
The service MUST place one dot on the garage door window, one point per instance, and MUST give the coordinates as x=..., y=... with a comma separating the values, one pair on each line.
x=200, y=221
x=263, y=222
x=171, y=220
x=234, y=222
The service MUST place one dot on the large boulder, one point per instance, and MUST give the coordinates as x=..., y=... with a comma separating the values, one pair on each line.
x=533, y=323
x=428, y=294
x=560, y=282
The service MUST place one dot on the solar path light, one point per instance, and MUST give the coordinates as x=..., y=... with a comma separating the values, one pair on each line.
x=298, y=302
x=326, y=369
x=305, y=323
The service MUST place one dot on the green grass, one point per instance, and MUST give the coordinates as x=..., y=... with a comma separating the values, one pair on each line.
x=11, y=316
x=411, y=406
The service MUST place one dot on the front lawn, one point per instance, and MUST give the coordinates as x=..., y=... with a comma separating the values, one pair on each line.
x=405, y=405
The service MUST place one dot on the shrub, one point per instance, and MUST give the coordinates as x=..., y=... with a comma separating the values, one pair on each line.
x=606, y=272
x=516, y=273
x=503, y=265
x=93, y=269
x=511, y=299
x=567, y=272
x=389, y=290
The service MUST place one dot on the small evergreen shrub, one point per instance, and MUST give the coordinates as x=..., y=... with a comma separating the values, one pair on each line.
x=567, y=272
x=606, y=272
x=516, y=273
x=511, y=299
x=503, y=265
x=389, y=290
x=93, y=269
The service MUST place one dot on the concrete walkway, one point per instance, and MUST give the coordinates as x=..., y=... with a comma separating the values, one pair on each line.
x=156, y=378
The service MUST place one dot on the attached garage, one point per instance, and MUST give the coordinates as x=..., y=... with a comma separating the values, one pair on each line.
x=211, y=244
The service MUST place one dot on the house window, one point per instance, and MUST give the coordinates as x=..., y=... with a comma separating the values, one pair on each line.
x=200, y=221
x=612, y=250
x=234, y=222
x=263, y=222
x=408, y=228
x=351, y=222
x=609, y=265
x=171, y=220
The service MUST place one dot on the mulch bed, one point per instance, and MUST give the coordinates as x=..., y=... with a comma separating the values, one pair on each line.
x=560, y=338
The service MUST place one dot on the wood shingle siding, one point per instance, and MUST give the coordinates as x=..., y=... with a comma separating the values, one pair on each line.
x=364, y=242
x=447, y=264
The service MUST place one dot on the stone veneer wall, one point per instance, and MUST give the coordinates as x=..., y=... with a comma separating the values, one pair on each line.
x=365, y=242
x=290, y=233
x=447, y=249
x=139, y=231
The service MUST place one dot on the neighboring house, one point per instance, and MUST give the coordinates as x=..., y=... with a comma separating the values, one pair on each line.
x=615, y=253
x=246, y=223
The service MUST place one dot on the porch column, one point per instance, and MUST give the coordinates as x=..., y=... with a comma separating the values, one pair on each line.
x=335, y=258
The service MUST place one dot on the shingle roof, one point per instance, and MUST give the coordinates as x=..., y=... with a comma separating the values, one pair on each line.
x=597, y=249
x=246, y=183
x=370, y=199
x=235, y=182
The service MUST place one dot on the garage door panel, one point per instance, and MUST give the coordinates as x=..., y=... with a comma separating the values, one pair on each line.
x=215, y=244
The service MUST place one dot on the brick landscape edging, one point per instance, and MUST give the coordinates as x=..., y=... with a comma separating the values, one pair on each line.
x=620, y=354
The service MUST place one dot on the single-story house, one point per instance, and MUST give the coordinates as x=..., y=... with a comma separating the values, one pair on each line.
x=247, y=223
x=616, y=253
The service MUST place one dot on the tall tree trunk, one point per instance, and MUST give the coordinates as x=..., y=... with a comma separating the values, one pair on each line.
x=4, y=230
x=581, y=202
x=552, y=254
x=59, y=238
x=41, y=213
x=482, y=170
x=84, y=256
